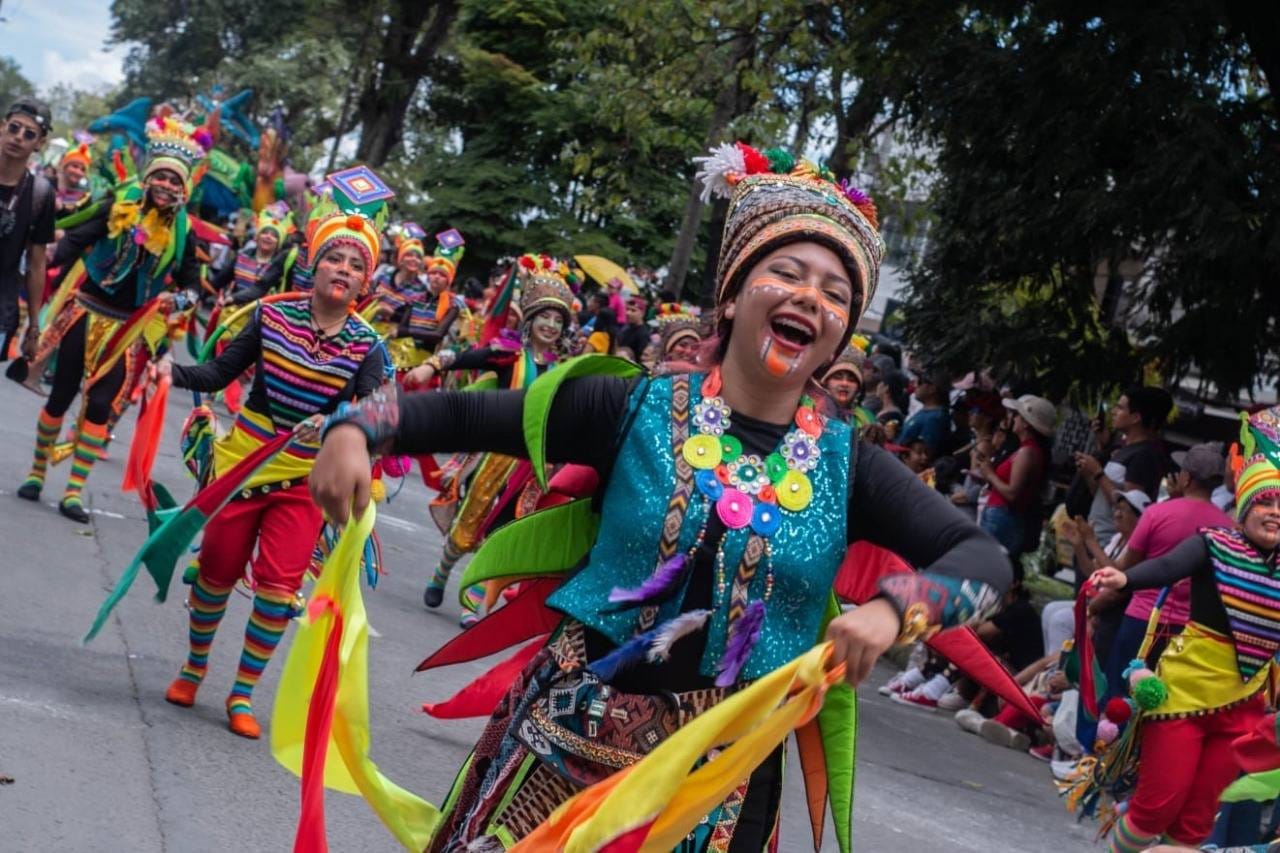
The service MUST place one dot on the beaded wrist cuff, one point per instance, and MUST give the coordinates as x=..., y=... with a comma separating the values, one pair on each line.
x=927, y=603
x=377, y=415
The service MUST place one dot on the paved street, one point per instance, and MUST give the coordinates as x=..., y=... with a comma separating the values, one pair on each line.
x=100, y=761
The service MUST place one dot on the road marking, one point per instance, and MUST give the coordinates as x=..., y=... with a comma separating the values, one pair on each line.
x=400, y=523
x=53, y=505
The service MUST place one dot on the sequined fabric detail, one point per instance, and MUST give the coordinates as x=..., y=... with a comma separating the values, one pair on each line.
x=806, y=548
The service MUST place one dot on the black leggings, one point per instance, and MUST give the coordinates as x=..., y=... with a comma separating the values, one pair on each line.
x=69, y=374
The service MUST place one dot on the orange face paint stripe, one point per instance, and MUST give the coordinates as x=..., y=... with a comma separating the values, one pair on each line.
x=841, y=312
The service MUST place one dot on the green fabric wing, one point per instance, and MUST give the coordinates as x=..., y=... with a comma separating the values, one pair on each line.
x=838, y=723
x=542, y=393
x=548, y=542
x=81, y=216
x=166, y=544
x=1261, y=787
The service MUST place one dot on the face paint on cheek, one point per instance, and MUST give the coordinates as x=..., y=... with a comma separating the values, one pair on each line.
x=775, y=361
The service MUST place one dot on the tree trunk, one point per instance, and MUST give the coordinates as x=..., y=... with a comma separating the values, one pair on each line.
x=726, y=107
x=851, y=123
x=412, y=39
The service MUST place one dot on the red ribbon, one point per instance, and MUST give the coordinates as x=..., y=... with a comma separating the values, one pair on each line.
x=146, y=442
x=311, y=837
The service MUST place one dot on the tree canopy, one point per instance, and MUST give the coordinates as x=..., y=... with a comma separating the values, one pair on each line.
x=1102, y=177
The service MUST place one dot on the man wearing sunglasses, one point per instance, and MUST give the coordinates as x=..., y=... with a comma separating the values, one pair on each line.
x=26, y=218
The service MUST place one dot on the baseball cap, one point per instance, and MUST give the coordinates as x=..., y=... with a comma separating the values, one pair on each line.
x=1136, y=498
x=34, y=109
x=1204, y=462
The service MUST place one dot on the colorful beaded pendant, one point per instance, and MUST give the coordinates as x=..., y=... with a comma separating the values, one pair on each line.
x=746, y=489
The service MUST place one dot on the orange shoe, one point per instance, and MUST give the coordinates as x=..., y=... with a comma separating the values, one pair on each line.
x=182, y=692
x=243, y=723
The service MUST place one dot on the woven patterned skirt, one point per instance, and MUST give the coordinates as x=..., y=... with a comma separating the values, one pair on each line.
x=558, y=730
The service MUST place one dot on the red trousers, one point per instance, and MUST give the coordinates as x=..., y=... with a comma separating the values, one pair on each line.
x=283, y=524
x=1185, y=766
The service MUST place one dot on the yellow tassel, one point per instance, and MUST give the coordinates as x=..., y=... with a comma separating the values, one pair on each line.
x=158, y=232
x=124, y=215
x=378, y=491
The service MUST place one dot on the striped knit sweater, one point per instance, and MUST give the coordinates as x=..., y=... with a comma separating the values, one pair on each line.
x=1250, y=591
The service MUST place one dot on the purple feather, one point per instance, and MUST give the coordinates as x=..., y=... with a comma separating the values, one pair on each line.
x=660, y=585
x=742, y=640
x=855, y=195
x=625, y=656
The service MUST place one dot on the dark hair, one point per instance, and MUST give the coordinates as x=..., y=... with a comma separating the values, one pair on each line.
x=1151, y=404
x=606, y=321
x=947, y=472
x=34, y=109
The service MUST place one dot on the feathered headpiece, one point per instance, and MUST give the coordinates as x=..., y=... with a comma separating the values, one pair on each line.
x=776, y=199
x=176, y=146
x=352, y=213
x=79, y=154
x=1255, y=461
x=543, y=285
x=675, y=323
x=276, y=218
x=448, y=254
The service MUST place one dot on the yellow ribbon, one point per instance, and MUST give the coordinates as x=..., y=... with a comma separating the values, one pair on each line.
x=348, y=767
x=660, y=790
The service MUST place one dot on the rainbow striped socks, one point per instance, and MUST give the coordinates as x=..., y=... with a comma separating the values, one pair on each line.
x=270, y=616
x=91, y=443
x=205, y=608
x=1125, y=838
x=47, y=428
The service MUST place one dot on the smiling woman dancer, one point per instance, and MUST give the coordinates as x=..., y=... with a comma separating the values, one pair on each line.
x=728, y=503
x=546, y=306
x=1217, y=670
x=310, y=354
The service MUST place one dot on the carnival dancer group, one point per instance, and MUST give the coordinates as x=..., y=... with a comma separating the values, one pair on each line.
x=699, y=498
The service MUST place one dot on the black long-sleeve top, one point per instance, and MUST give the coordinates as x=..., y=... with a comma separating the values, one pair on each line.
x=245, y=351
x=888, y=505
x=78, y=240
x=500, y=361
x=1189, y=560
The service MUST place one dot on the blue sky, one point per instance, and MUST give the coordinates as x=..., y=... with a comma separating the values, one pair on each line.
x=61, y=41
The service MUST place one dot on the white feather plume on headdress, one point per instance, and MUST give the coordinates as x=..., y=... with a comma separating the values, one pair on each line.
x=714, y=170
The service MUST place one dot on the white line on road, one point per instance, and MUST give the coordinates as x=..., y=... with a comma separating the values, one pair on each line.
x=400, y=523
x=54, y=505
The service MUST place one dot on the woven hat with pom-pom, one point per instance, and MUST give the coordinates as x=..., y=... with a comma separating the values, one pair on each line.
x=776, y=199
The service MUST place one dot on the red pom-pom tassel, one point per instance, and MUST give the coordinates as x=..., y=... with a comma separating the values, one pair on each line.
x=355, y=222
x=1118, y=710
x=756, y=162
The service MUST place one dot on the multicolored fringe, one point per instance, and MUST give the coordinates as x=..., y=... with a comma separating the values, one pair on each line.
x=270, y=616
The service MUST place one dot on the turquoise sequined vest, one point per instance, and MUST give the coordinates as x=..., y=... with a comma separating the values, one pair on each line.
x=806, y=549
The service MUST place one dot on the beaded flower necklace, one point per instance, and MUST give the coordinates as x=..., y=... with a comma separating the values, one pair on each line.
x=747, y=492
